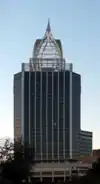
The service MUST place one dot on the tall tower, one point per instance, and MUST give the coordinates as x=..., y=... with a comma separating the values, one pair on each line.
x=47, y=102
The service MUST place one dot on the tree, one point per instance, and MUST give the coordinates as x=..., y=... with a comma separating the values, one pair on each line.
x=17, y=166
x=93, y=175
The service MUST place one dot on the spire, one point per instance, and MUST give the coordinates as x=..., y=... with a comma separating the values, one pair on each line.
x=48, y=27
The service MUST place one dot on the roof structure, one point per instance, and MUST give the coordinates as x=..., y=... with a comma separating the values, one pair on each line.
x=48, y=47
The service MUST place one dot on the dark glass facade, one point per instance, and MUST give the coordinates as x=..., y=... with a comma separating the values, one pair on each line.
x=76, y=113
x=46, y=108
x=48, y=96
x=85, y=143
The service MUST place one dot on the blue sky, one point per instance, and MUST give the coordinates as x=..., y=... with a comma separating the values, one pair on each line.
x=77, y=24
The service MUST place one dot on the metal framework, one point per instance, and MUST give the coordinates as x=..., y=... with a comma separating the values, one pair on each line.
x=37, y=64
x=48, y=48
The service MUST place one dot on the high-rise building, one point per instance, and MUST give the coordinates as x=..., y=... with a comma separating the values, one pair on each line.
x=47, y=102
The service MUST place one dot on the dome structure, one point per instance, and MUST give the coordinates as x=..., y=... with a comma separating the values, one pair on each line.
x=47, y=51
x=47, y=47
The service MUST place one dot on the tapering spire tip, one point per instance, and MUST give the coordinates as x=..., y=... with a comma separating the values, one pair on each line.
x=48, y=26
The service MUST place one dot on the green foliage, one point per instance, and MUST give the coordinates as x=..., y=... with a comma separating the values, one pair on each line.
x=17, y=166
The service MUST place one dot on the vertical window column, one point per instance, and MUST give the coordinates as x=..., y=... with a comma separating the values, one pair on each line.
x=52, y=115
x=55, y=116
x=64, y=112
x=47, y=115
x=22, y=104
x=35, y=116
x=41, y=114
x=29, y=107
x=58, y=115
x=70, y=112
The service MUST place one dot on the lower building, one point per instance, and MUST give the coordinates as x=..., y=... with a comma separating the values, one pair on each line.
x=54, y=172
x=85, y=143
x=96, y=152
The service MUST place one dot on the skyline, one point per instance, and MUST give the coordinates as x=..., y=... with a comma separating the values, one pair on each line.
x=20, y=26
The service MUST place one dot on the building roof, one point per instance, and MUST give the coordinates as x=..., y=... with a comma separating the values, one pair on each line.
x=48, y=46
x=87, y=159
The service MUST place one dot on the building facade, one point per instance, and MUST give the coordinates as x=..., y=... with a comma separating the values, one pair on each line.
x=96, y=152
x=85, y=143
x=47, y=102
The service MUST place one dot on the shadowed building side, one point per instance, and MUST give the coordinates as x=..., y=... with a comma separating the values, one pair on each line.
x=85, y=143
x=17, y=105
